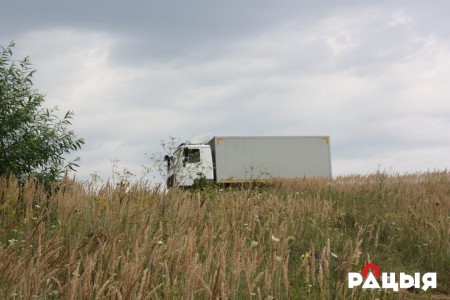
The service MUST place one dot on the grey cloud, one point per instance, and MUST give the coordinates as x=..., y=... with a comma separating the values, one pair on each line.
x=348, y=69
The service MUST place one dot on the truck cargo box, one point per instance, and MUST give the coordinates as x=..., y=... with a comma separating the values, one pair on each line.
x=238, y=159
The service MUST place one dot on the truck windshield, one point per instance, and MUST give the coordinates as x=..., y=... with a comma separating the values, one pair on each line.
x=175, y=158
x=173, y=161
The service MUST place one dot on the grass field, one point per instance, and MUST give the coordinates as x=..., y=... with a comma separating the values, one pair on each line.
x=297, y=240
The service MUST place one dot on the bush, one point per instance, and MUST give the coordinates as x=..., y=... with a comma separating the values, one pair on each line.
x=33, y=139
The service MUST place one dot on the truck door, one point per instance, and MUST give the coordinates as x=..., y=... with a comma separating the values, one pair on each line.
x=190, y=166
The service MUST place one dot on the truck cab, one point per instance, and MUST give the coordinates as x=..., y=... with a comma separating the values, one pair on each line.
x=189, y=162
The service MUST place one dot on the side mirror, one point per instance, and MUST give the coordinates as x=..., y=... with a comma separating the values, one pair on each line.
x=167, y=159
x=185, y=156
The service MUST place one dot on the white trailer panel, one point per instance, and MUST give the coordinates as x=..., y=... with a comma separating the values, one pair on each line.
x=251, y=158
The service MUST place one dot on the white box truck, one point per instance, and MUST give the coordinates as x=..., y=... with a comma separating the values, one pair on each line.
x=236, y=159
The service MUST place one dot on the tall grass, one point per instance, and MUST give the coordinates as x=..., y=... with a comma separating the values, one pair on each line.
x=297, y=240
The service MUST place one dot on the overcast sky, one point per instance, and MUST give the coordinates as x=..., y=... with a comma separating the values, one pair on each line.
x=373, y=75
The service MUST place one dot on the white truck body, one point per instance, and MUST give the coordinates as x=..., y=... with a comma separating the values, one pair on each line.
x=234, y=159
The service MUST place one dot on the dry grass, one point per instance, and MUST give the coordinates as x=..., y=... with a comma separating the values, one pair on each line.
x=294, y=241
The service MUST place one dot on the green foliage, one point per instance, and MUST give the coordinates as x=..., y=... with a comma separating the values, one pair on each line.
x=200, y=183
x=33, y=139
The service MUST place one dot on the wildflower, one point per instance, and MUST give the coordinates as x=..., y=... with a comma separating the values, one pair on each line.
x=275, y=239
x=278, y=259
x=305, y=256
x=334, y=255
x=254, y=244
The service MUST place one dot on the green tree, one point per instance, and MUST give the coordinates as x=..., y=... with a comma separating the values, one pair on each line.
x=33, y=140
